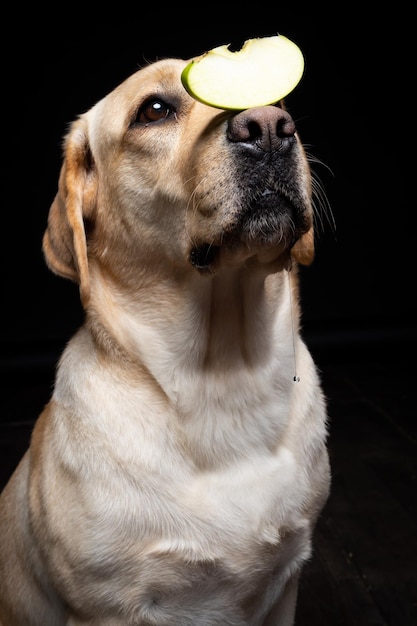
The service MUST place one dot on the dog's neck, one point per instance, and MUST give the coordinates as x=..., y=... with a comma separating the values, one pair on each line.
x=218, y=322
x=218, y=351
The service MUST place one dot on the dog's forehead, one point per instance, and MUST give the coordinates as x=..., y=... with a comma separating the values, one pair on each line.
x=153, y=78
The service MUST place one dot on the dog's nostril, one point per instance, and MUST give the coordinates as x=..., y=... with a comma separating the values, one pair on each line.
x=254, y=131
x=285, y=126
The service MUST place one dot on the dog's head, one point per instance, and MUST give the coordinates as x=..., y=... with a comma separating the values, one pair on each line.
x=153, y=179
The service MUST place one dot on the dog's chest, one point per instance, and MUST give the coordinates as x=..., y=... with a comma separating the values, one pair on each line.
x=234, y=573
x=224, y=417
x=197, y=512
x=216, y=545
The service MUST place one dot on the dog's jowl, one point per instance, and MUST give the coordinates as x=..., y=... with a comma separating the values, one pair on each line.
x=177, y=473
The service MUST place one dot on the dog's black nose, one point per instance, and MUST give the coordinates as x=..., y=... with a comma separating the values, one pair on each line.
x=267, y=128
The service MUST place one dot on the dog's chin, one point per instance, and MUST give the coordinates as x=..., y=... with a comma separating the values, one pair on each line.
x=265, y=233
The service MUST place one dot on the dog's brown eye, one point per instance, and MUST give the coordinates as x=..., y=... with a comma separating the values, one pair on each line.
x=153, y=111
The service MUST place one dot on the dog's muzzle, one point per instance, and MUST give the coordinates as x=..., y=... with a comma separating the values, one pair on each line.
x=270, y=207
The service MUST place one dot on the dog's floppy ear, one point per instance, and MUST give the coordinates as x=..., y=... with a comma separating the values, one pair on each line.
x=64, y=241
x=303, y=249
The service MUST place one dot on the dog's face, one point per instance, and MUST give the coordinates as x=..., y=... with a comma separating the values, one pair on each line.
x=153, y=177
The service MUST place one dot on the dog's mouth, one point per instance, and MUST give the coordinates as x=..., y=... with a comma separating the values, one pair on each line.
x=268, y=220
x=203, y=256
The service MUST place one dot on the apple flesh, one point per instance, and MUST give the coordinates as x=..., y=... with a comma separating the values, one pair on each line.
x=262, y=72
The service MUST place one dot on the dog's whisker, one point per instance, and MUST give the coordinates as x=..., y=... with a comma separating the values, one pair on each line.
x=320, y=201
x=194, y=193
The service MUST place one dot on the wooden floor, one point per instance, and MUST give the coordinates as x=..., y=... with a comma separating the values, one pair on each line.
x=363, y=571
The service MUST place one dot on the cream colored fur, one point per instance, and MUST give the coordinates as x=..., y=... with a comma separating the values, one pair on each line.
x=177, y=473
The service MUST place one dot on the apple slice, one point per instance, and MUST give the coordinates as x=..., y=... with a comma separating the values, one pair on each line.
x=262, y=72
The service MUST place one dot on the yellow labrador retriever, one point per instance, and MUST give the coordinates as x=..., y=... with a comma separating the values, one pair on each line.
x=176, y=475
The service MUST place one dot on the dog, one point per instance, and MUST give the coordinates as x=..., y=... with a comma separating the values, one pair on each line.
x=177, y=473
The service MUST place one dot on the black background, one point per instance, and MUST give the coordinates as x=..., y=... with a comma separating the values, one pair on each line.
x=353, y=110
